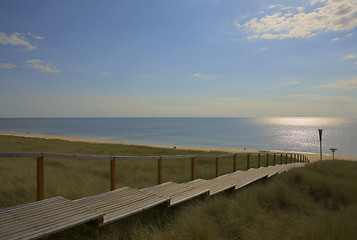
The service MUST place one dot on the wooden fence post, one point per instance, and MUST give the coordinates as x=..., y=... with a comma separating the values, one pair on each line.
x=40, y=179
x=247, y=161
x=281, y=158
x=258, y=160
x=286, y=158
x=192, y=169
x=291, y=158
x=159, y=171
x=267, y=159
x=216, y=166
x=274, y=159
x=234, y=162
x=113, y=180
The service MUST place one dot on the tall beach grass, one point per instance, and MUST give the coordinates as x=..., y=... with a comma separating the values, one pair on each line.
x=318, y=201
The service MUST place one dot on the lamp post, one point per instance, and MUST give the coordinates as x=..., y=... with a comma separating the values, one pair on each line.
x=333, y=152
x=320, y=136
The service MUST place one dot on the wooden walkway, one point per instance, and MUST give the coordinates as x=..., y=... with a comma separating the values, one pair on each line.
x=42, y=218
x=178, y=193
x=46, y=217
x=123, y=202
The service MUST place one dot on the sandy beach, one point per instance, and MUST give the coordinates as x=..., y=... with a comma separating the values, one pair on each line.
x=313, y=157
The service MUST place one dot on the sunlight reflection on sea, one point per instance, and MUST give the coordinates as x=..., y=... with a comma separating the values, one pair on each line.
x=302, y=133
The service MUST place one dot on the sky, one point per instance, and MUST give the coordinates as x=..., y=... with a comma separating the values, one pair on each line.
x=178, y=58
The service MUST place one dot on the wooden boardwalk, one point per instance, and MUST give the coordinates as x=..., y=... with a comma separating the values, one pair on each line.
x=177, y=192
x=123, y=202
x=46, y=217
x=42, y=218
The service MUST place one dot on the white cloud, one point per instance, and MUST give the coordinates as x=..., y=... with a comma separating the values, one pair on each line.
x=38, y=65
x=35, y=36
x=342, y=84
x=197, y=74
x=350, y=56
x=263, y=49
x=16, y=39
x=313, y=2
x=7, y=65
x=317, y=97
x=105, y=73
x=290, y=83
x=335, y=39
x=333, y=15
x=349, y=35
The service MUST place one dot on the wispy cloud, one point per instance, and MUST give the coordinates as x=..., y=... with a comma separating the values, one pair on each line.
x=197, y=74
x=296, y=22
x=105, y=73
x=342, y=84
x=335, y=39
x=263, y=49
x=42, y=67
x=349, y=35
x=7, y=65
x=317, y=97
x=35, y=36
x=290, y=83
x=16, y=39
x=350, y=56
x=230, y=100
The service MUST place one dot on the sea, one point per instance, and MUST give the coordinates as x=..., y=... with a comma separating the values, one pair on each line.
x=282, y=133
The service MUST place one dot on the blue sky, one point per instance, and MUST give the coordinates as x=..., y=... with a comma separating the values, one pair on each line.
x=166, y=58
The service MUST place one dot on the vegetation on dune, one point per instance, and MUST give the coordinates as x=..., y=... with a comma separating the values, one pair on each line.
x=315, y=202
x=73, y=178
x=318, y=201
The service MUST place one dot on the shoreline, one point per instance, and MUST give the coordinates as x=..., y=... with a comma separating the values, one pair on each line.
x=313, y=157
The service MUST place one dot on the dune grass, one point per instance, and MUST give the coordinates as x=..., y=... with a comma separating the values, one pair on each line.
x=315, y=202
x=318, y=201
x=73, y=179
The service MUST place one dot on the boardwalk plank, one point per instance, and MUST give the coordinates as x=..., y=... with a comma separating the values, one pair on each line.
x=177, y=192
x=123, y=202
x=35, y=220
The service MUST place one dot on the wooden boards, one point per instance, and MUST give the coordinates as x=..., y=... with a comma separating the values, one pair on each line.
x=177, y=192
x=123, y=202
x=42, y=218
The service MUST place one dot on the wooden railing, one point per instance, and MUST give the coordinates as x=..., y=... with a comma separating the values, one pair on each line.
x=284, y=159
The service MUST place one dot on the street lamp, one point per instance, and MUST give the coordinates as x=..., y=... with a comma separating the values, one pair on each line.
x=320, y=135
x=333, y=152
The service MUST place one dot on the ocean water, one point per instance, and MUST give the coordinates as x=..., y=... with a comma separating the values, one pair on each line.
x=287, y=134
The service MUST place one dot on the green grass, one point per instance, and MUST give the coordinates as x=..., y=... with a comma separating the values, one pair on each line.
x=315, y=202
x=318, y=201
x=74, y=179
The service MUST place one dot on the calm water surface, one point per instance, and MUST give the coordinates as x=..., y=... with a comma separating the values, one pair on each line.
x=290, y=134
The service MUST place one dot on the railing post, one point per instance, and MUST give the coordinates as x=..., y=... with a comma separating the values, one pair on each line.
x=216, y=166
x=286, y=158
x=291, y=158
x=159, y=171
x=40, y=179
x=258, y=160
x=274, y=159
x=247, y=161
x=281, y=159
x=267, y=159
x=192, y=169
x=113, y=181
x=234, y=162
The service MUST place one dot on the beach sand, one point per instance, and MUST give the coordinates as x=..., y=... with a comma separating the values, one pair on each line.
x=313, y=157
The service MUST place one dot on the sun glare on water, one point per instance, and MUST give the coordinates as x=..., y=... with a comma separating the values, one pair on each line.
x=306, y=121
